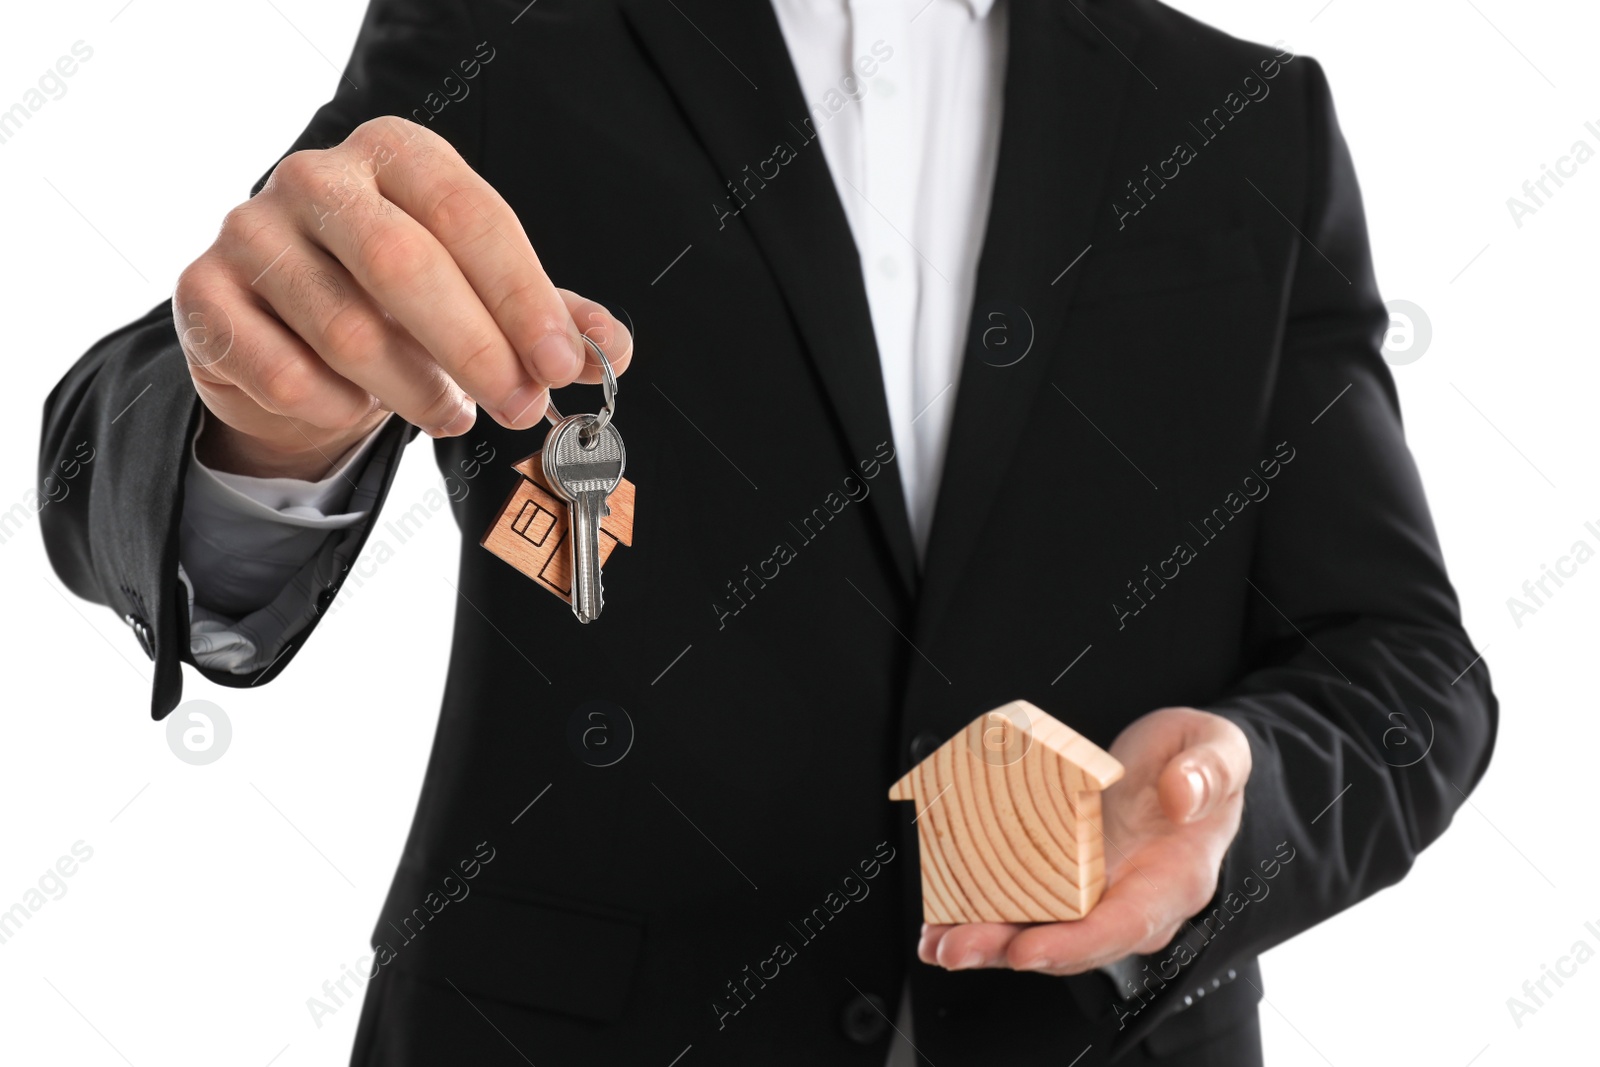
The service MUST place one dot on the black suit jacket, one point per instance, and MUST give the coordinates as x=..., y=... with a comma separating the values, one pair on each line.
x=1192, y=488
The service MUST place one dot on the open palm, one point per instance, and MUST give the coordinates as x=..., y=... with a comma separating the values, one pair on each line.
x=1168, y=824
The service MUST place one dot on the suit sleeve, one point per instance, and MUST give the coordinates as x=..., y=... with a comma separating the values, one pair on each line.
x=1369, y=713
x=129, y=400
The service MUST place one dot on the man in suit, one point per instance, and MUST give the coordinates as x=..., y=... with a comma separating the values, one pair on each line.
x=1027, y=350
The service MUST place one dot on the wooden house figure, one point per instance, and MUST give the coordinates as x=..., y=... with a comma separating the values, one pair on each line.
x=530, y=531
x=1008, y=820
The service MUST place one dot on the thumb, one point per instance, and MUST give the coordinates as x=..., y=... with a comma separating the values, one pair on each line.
x=1207, y=774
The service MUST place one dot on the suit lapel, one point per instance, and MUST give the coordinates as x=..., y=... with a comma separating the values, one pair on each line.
x=740, y=113
x=1064, y=86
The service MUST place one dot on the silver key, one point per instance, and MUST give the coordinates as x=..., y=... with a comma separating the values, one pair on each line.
x=584, y=470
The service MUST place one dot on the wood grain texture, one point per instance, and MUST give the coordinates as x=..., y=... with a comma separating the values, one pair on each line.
x=1009, y=820
x=530, y=530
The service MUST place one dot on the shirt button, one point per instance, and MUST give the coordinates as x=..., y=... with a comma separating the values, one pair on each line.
x=865, y=1019
x=923, y=746
x=883, y=87
x=889, y=266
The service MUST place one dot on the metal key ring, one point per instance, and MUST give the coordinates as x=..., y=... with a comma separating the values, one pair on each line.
x=608, y=388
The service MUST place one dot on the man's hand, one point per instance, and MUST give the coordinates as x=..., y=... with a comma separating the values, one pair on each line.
x=380, y=275
x=1168, y=823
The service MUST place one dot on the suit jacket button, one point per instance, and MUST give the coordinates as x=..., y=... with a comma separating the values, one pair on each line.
x=141, y=630
x=923, y=746
x=865, y=1019
x=324, y=598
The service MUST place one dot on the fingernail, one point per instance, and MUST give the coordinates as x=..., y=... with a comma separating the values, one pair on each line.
x=521, y=408
x=969, y=961
x=556, y=360
x=463, y=420
x=1198, y=789
x=1038, y=963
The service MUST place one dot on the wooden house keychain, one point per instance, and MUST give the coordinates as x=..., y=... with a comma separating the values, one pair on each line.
x=571, y=507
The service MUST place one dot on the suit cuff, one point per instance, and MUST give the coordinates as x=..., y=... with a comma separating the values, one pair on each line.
x=288, y=501
x=251, y=647
x=242, y=539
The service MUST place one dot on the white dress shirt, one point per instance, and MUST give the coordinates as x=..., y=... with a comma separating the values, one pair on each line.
x=905, y=96
x=913, y=162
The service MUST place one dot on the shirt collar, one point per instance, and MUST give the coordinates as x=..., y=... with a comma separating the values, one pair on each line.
x=976, y=8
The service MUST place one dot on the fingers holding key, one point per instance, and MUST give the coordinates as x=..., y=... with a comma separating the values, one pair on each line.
x=455, y=251
x=410, y=275
x=379, y=275
x=359, y=344
x=605, y=330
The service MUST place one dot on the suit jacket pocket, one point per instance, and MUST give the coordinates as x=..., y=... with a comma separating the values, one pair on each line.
x=544, y=952
x=1171, y=262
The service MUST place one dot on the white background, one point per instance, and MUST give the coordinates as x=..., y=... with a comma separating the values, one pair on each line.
x=219, y=898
